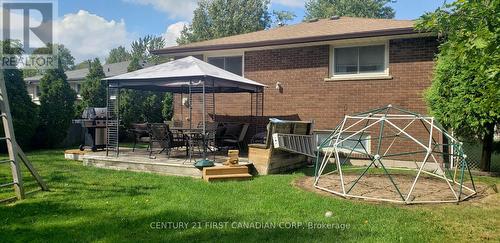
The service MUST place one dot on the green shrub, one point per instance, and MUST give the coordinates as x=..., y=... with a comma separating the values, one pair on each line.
x=24, y=112
x=56, y=108
x=94, y=92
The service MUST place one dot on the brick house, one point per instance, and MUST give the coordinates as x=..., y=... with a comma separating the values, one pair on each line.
x=323, y=69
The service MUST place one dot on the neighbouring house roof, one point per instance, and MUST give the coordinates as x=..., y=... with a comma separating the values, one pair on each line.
x=79, y=74
x=312, y=31
x=176, y=76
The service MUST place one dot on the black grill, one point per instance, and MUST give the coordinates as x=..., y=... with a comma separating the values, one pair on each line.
x=94, y=121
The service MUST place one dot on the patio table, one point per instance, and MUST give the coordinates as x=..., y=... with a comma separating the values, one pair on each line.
x=193, y=135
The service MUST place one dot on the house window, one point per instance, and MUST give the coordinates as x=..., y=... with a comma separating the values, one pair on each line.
x=360, y=60
x=232, y=64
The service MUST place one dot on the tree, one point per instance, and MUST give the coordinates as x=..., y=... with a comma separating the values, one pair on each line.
x=465, y=92
x=152, y=106
x=24, y=111
x=56, y=107
x=119, y=54
x=168, y=109
x=140, y=106
x=131, y=100
x=82, y=65
x=94, y=92
x=220, y=18
x=62, y=54
x=134, y=65
x=282, y=17
x=143, y=47
x=352, y=8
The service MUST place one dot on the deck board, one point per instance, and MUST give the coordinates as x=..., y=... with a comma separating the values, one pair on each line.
x=139, y=160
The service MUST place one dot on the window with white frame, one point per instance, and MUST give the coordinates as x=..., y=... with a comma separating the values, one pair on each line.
x=360, y=60
x=232, y=64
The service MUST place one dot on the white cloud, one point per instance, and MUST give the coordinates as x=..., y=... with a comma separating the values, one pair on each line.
x=174, y=8
x=16, y=29
x=290, y=3
x=173, y=32
x=88, y=35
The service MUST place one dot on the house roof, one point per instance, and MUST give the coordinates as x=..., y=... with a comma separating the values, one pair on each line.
x=312, y=31
x=79, y=74
x=176, y=76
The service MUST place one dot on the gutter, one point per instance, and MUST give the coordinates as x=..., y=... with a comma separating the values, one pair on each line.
x=180, y=49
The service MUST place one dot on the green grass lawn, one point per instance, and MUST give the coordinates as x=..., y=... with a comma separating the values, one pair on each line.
x=90, y=204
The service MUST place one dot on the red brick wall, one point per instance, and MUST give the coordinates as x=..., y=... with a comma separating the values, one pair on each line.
x=307, y=96
x=302, y=71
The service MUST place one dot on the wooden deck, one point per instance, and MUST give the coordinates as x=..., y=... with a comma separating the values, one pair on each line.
x=139, y=160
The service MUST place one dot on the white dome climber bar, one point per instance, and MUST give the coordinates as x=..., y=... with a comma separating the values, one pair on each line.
x=390, y=154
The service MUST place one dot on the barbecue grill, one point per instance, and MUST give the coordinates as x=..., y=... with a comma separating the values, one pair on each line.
x=94, y=121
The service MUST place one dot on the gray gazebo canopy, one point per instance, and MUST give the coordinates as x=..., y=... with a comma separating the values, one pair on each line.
x=176, y=75
x=188, y=75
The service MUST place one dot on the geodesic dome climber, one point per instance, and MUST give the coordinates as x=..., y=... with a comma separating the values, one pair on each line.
x=391, y=154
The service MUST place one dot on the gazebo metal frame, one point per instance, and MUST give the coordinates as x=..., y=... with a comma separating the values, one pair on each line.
x=194, y=87
x=206, y=80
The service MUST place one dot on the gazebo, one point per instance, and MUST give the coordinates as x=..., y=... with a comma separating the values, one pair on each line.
x=187, y=76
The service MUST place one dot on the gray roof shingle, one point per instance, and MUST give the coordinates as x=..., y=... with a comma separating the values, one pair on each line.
x=322, y=29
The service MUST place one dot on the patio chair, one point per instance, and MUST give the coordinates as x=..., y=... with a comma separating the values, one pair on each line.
x=177, y=139
x=232, y=139
x=210, y=138
x=140, y=133
x=158, y=135
x=219, y=135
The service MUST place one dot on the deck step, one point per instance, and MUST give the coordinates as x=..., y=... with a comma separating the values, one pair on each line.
x=226, y=177
x=224, y=170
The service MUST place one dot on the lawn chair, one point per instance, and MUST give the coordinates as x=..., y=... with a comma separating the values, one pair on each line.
x=211, y=137
x=232, y=139
x=140, y=133
x=158, y=135
x=208, y=140
x=177, y=139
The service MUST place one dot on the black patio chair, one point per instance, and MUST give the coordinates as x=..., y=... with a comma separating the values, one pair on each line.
x=158, y=135
x=208, y=140
x=236, y=139
x=211, y=137
x=140, y=133
x=177, y=139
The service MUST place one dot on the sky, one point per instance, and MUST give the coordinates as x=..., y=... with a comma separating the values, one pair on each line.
x=90, y=28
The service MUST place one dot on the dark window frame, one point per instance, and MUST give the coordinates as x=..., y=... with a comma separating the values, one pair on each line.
x=225, y=62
